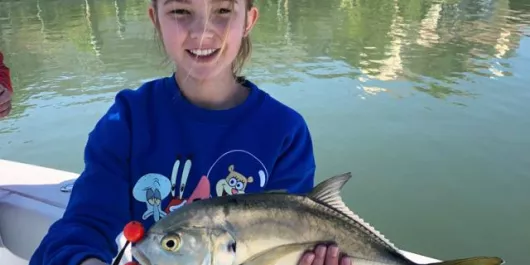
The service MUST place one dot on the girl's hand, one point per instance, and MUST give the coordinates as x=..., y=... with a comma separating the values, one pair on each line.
x=5, y=101
x=323, y=255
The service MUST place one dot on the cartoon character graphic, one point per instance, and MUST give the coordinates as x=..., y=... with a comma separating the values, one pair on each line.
x=201, y=191
x=152, y=189
x=234, y=183
x=177, y=202
x=237, y=182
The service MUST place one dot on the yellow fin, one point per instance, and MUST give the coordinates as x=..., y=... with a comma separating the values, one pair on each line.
x=272, y=255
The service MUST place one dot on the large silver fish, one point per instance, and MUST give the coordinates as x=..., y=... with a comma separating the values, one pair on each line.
x=270, y=228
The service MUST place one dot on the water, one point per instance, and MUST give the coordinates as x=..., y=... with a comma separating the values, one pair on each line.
x=426, y=102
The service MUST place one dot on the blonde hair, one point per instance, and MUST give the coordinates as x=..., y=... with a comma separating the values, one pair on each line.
x=245, y=49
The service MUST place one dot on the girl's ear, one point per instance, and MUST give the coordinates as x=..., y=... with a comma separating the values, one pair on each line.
x=252, y=17
x=152, y=15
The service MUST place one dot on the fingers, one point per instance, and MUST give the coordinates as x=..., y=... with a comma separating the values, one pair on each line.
x=346, y=261
x=5, y=109
x=332, y=255
x=307, y=258
x=5, y=102
x=320, y=255
x=5, y=96
x=323, y=255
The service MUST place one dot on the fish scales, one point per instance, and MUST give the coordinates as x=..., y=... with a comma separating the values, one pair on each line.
x=314, y=221
x=271, y=228
x=271, y=219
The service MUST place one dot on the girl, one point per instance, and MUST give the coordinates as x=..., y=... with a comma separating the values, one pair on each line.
x=5, y=89
x=200, y=132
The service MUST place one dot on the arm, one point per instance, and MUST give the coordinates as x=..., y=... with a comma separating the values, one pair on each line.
x=5, y=78
x=5, y=89
x=99, y=204
x=295, y=168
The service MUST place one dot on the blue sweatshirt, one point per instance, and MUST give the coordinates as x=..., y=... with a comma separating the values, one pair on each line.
x=154, y=151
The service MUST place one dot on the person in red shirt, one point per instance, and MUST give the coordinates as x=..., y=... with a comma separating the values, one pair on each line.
x=6, y=90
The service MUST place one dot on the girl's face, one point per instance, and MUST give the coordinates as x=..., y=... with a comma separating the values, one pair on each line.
x=194, y=32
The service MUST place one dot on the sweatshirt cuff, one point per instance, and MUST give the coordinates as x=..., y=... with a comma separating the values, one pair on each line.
x=79, y=258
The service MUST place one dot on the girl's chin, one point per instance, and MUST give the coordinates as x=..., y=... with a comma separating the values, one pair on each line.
x=202, y=73
x=203, y=68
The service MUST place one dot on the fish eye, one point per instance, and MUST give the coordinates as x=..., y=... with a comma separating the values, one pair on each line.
x=171, y=243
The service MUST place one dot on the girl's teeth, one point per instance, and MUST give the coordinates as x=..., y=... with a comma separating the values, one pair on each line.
x=203, y=52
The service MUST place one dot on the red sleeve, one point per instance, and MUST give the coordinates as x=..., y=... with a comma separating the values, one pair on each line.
x=5, y=78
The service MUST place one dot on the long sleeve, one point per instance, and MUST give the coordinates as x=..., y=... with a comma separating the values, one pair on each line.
x=295, y=168
x=99, y=206
x=5, y=77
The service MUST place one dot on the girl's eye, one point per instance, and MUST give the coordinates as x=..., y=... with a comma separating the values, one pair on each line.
x=224, y=10
x=179, y=12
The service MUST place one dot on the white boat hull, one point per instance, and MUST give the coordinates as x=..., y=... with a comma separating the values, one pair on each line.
x=31, y=199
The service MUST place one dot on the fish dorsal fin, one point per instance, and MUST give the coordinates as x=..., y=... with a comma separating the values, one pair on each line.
x=328, y=193
x=329, y=189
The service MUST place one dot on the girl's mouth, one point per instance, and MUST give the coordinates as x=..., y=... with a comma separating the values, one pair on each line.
x=203, y=55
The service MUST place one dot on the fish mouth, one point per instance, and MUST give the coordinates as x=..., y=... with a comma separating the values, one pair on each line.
x=140, y=256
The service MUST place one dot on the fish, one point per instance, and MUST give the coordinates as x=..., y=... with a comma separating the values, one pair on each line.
x=272, y=227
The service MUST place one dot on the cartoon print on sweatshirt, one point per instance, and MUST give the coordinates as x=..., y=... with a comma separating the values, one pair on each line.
x=235, y=171
x=152, y=188
x=234, y=183
x=201, y=191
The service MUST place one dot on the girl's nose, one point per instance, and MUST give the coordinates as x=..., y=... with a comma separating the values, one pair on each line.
x=201, y=28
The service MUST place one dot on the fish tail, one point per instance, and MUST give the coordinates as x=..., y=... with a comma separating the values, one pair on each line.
x=472, y=261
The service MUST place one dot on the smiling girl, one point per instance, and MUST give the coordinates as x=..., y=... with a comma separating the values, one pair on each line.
x=215, y=129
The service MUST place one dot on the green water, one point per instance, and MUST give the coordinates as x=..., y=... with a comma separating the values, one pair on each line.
x=426, y=102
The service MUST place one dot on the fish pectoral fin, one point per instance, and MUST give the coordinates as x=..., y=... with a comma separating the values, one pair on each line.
x=472, y=261
x=272, y=255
